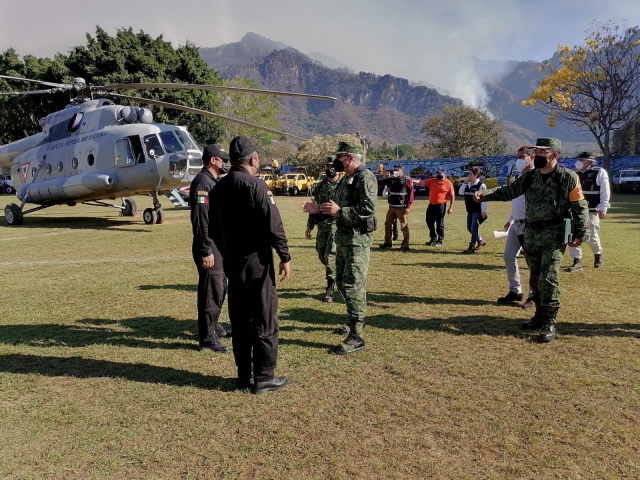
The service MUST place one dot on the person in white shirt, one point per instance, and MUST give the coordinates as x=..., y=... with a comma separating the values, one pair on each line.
x=595, y=186
x=515, y=236
x=476, y=212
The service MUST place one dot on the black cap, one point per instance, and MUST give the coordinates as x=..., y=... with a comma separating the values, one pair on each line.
x=397, y=165
x=586, y=156
x=214, y=150
x=241, y=147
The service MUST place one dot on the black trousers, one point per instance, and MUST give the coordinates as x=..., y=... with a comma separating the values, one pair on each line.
x=435, y=221
x=212, y=289
x=253, y=311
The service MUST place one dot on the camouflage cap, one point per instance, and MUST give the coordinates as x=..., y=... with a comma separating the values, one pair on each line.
x=548, y=143
x=329, y=160
x=347, y=147
x=586, y=156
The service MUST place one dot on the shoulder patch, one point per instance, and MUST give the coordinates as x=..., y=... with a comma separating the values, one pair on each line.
x=202, y=192
x=272, y=200
x=576, y=194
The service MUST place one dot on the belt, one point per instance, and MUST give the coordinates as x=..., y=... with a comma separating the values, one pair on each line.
x=541, y=225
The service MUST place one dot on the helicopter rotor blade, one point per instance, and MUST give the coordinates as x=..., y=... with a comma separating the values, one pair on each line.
x=204, y=113
x=46, y=84
x=32, y=92
x=191, y=86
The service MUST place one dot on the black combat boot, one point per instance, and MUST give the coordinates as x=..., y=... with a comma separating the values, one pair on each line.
x=548, y=333
x=534, y=323
x=599, y=261
x=276, y=383
x=328, y=295
x=576, y=267
x=471, y=249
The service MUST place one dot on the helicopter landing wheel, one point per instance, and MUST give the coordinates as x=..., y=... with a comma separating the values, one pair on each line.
x=159, y=215
x=130, y=208
x=13, y=214
x=150, y=216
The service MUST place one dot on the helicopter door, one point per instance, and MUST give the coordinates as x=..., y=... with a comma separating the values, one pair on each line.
x=138, y=150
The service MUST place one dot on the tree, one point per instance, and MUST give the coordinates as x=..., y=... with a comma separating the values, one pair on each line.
x=626, y=140
x=464, y=131
x=314, y=151
x=125, y=58
x=256, y=108
x=596, y=86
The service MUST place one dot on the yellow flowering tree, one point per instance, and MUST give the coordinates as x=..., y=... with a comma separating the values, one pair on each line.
x=595, y=86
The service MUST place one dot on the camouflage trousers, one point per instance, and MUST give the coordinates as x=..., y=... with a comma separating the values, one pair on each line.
x=543, y=251
x=352, y=266
x=326, y=248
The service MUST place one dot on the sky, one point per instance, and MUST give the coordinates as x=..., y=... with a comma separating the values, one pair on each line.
x=421, y=40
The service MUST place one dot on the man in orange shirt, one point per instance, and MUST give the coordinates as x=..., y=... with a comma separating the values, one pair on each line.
x=440, y=189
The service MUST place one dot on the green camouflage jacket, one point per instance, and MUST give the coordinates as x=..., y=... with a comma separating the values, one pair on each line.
x=324, y=192
x=556, y=197
x=356, y=195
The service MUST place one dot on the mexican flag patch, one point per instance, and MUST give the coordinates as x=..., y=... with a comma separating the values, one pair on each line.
x=272, y=201
x=204, y=200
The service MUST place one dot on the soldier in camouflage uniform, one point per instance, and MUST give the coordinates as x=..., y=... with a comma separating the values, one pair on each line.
x=553, y=194
x=325, y=241
x=354, y=209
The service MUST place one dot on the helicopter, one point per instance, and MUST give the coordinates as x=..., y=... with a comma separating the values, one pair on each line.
x=95, y=150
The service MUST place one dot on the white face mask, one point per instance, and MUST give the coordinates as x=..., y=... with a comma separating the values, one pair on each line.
x=579, y=165
x=396, y=173
x=521, y=164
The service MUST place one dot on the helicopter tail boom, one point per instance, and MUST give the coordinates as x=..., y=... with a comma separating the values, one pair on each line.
x=12, y=150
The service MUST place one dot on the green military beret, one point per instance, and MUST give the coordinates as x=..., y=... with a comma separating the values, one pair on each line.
x=548, y=143
x=329, y=160
x=347, y=147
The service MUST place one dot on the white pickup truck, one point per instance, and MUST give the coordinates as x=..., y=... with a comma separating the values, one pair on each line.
x=626, y=180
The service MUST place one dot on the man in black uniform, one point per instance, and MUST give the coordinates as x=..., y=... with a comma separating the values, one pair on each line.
x=212, y=284
x=246, y=225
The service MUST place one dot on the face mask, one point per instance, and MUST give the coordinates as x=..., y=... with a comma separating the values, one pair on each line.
x=225, y=168
x=440, y=177
x=331, y=172
x=579, y=165
x=338, y=165
x=540, y=162
x=396, y=173
x=521, y=164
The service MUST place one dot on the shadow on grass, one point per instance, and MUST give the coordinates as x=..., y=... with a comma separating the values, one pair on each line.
x=84, y=223
x=461, y=266
x=467, y=325
x=78, y=367
x=384, y=297
x=179, y=287
x=138, y=332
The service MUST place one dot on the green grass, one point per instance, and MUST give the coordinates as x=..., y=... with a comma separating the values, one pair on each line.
x=100, y=377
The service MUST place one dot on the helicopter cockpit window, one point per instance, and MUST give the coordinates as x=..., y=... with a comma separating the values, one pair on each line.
x=171, y=142
x=186, y=139
x=153, y=147
x=124, y=152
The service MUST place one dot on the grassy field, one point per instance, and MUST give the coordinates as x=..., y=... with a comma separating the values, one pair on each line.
x=100, y=376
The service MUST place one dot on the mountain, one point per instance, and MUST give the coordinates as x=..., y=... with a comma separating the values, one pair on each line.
x=381, y=106
x=328, y=61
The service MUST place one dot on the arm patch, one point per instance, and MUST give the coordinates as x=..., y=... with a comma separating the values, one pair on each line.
x=576, y=194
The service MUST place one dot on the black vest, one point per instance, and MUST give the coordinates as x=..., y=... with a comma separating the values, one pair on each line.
x=590, y=188
x=471, y=205
x=398, y=192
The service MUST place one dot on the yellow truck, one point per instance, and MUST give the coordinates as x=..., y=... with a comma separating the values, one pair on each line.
x=269, y=177
x=294, y=183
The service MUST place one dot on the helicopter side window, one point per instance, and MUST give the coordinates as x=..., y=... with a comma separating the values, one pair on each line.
x=124, y=153
x=138, y=151
x=171, y=143
x=153, y=147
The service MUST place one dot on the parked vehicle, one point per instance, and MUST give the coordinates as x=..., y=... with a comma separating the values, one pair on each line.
x=627, y=180
x=294, y=183
x=6, y=185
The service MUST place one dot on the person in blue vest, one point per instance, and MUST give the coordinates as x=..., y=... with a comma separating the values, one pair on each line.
x=399, y=190
x=595, y=187
x=476, y=212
